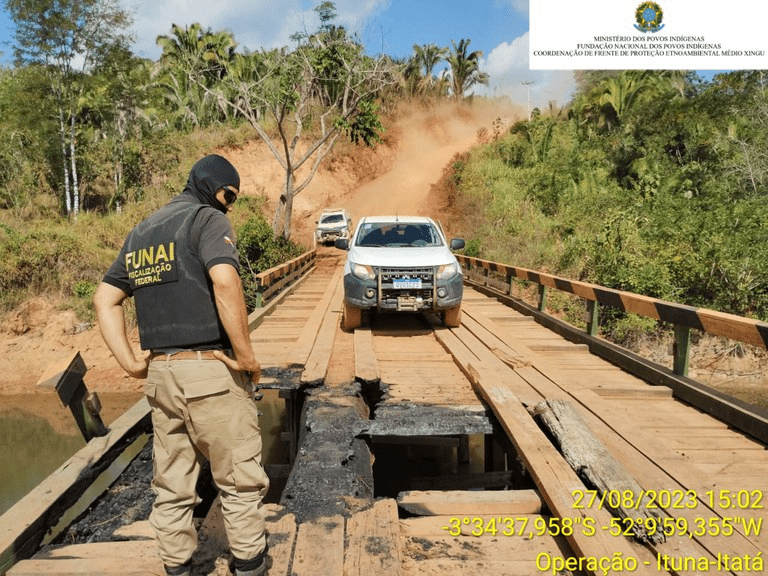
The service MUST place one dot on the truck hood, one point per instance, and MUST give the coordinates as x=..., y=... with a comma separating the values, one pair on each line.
x=406, y=257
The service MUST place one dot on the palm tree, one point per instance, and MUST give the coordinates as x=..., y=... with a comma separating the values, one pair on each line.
x=426, y=57
x=194, y=59
x=465, y=68
x=621, y=93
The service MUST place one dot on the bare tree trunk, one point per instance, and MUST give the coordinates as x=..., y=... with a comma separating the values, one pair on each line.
x=63, y=138
x=287, y=215
x=75, y=189
x=281, y=225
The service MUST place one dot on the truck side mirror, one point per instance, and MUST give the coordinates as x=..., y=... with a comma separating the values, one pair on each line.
x=457, y=243
x=341, y=243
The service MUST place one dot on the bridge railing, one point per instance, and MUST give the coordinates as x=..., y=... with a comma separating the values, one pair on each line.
x=682, y=317
x=273, y=280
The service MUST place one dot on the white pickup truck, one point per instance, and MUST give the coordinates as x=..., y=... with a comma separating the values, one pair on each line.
x=401, y=264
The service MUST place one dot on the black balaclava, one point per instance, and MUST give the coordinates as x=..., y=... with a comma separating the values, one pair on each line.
x=208, y=175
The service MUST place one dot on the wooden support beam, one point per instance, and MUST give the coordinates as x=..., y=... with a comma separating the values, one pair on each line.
x=66, y=377
x=682, y=348
x=472, y=481
x=593, y=317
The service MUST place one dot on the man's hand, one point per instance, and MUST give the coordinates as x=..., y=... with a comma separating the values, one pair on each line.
x=252, y=367
x=139, y=368
x=108, y=304
x=230, y=304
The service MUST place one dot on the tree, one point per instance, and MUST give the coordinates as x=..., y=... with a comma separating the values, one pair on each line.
x=26, y=133
x=60, y=35
x=117, y=112
x=425, y=58
x=324, y=88
x=465, y=68
x=193, y=62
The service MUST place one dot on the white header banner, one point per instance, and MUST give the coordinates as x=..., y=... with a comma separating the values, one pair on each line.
x=650, y=35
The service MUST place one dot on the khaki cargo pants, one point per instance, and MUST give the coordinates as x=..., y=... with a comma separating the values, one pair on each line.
x=201, y=409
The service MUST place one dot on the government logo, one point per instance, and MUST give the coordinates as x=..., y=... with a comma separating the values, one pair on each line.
x=648, y=17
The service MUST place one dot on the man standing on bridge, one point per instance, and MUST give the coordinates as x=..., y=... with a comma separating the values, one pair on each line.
x=181, y=266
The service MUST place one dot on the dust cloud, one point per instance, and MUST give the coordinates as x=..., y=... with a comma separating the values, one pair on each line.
x=426, y=141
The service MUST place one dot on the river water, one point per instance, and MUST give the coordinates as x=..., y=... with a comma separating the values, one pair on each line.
x=37, y=435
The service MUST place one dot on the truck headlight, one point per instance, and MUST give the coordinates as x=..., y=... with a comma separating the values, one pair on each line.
x=447, y=271
x=362, y=271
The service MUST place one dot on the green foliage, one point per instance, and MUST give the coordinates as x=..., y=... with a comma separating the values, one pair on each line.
x=36, y=260
x=627, y=329
x=472, y=248
x=259, y=250
x=465, y=68
x=366, y=126
x=672, y=208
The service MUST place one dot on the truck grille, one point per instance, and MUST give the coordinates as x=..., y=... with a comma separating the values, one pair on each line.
x=390, y=274
x=388, y=294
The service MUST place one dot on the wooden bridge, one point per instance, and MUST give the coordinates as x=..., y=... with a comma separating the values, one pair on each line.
x=501, y=447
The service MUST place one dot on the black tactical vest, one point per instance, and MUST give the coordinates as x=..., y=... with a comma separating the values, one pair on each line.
x=174, y=297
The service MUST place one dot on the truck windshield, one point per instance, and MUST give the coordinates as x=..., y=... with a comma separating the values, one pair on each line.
x=388, y=234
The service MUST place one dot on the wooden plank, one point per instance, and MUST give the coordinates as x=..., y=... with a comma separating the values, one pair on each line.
x=141, y=530
x=592, y=461
x=556, y=481
x=433, y=546
x=320, y=548
x=106, y=566
x=23, y=526
x=634, y=393
x=462, y=502
x=317, y=362
x=281, y=535
x=678, y=474
x=373, y=541
x=366, y=364
x=303, y=346
x=94, y=550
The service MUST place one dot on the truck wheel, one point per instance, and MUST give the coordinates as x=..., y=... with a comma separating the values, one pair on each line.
x=452, y=317
x=351, y=317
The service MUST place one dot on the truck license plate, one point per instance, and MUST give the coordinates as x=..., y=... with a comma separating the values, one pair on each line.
x=406, y=284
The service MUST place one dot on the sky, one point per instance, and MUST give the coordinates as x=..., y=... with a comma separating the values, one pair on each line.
x=497, y=28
